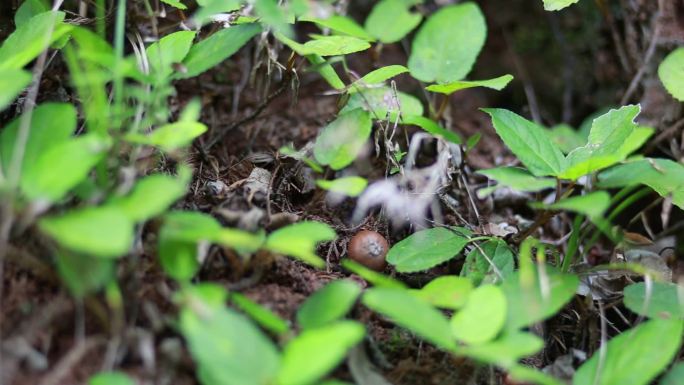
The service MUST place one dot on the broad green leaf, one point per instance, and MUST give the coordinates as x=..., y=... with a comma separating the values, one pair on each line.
x=634, y=357
x=482, y=317
x=432, y=127
x=382, y=101
x=390, y=20
x=171, y=136
x=263, y=316
x=341, y=141
x=480, y=270
x=411, y=313
x=51, y=124
x=665, y=300
x=378, y=76
x=334, y=45
x=12, y=82
x=446, y=46
x=427, y=248
x=28, y=9
x=326, y=71
x=175, y=3
x=542, y=297
x=299, y=240
x=61, y=167
x=151, y=196
x=28, y=41
x=102, y=232
x=517, y=179
x=372, y=276
x=84, y=274
x=566, y=137
x=217, y=48
x=351, y=186
x=111, y=378
x=328, y=304
x=315, y=352
x=506, y=350
x=528, y=142
x=674, y=376
x=593, y=204
x=557, y=5
x=227, y=347
x=447, y=292
x=168, y=50
x=671, y=73
x=664, y=176
x=341, y=24
x=449, y=88
x=273, y=14
x=608, y=143
x=178, y=242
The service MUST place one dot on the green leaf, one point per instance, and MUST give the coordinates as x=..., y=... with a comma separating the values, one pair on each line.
x=517, y=179
x=566, y=137
x=83, y=274
x=665, y=300
x=482, y=317
x=593, y=204
x=351, y=186
x=28, y=41
x=382, y=101
x=447, y=291
x=528, y=142
x=449, y=88
x=263, y=316
x=446, y=46
x=273, y=14
x=217, y=48
x=480, y=270
x=168, y=50
x=51, y=124
x=334, y=45
x=537, y=299
x=427, y=248
x=61, y=167
x=664, y=176
x=28, y=9
x=110, y=378
x=674, y=376
x=671, y=73
x=412, y=313
x=432, y=127
x=12, y=82
x=316, y=352
x=609, y=143
x=102, y=232
x=326, y=71
x=170, y=137
x=372, y=276
x=390, y=20
x=175, y=3
x=226, y=346
x=506, y=350
x=557, y=5
x=299, y=240
x=151, y=196
x=532, y=375
x=341, y=24
x=634, y=357
x=378, y=76
x=341, y=141
x=178, y=242
x=328, y=304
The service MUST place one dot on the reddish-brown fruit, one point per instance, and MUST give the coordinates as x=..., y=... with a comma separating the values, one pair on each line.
x=369, y=248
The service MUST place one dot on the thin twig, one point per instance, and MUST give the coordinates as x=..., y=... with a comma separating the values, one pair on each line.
x=644, y=65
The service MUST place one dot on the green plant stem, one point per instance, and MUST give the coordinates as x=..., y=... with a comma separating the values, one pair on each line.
x=100, y=15
x=573, y=244
x=119, y=32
